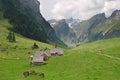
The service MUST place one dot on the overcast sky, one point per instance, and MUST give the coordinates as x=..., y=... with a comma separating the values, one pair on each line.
x=82, y=9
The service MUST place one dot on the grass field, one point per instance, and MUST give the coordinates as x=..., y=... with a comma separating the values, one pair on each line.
x=81, y=63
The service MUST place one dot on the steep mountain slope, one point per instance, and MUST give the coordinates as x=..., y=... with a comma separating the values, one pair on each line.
x=98, y=27
x=108, y=29
x=65, y=33
x=83, y=28
x=26, y=19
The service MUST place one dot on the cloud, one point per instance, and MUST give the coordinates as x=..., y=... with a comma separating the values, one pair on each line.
x=83, y=9
x=109, y=7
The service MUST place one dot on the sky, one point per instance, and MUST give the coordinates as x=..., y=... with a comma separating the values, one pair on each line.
x=78, y=9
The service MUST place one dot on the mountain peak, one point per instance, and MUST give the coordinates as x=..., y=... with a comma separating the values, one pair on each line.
x=101, y=15
x=62, y=21
x=116, y=15
x=95, y=20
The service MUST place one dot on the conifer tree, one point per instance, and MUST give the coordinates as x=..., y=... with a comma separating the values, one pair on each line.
x=35, y=46
x=9, y=37
x=13, y=37
x=56, y=45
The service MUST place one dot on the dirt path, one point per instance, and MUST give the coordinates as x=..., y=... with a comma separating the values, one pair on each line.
x=112, y=57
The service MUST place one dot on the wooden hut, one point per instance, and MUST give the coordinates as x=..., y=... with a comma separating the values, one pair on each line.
x=39, y=58
x=56, y=51
x=45, y=56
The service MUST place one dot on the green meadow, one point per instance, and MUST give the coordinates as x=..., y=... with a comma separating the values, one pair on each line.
x=81, y=63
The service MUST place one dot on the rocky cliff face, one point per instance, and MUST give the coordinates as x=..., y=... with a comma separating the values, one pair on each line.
x=26, y=19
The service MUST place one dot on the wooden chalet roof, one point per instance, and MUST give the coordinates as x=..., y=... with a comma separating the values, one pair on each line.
x=38, y=57
x=56, y=50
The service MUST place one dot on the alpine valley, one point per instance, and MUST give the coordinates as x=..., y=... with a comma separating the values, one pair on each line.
x=96, y=28
x=32, y=48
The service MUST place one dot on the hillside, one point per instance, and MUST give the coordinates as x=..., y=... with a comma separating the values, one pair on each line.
x=81, y=63
x=26, y=19
x=12, y=51
x=108, y=29
x=98, y=27
x=22, y=45
x=83, y=29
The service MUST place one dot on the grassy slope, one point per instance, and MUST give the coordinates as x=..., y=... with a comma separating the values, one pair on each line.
x=110, y=46
x=81, y=63
x=23, y=44
x=10, y=67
